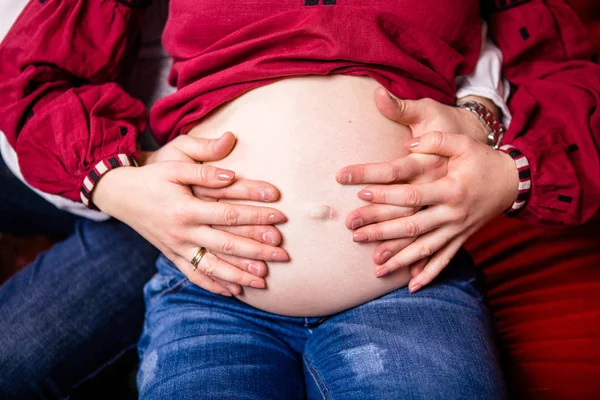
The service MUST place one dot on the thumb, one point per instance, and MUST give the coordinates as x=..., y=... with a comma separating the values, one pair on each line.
x=440, y=143
x=406, y=112
x=203, y=149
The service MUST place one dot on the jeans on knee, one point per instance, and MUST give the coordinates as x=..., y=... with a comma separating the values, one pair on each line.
x=73, y=311
x=434, y=344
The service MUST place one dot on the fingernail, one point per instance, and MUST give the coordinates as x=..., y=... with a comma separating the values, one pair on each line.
x=412, y=143
x=254, y=269
x=365, y=195
x=257, y=284
x=346, y=178
x=268, y=237
x=414, y=288
x=226, y=294
x=276, y=218
x=280, y=256
x=225, y=175
x=356, y=223
x=383, y=271
x=386, y=256
x=267, y=195
x=360, y=237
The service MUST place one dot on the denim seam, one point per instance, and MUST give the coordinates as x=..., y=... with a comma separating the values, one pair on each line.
x=177, y=286
x=318, y=380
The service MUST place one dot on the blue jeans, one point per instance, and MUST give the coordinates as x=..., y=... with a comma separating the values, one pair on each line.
x=435, y=344
x=77, y=307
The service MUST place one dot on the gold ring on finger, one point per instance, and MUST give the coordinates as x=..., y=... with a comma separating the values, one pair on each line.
x=198, y=257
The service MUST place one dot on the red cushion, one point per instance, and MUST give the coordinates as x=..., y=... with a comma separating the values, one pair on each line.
x=544, y=291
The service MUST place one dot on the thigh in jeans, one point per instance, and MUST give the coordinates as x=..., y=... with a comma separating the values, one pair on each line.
x=435, y=344
x=200, y=345
x=74, y=310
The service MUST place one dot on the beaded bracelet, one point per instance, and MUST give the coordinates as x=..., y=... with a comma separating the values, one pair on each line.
x=524, y=177
x=120, y=160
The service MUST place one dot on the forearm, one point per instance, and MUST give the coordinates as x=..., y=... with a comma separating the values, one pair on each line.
x=59, y=107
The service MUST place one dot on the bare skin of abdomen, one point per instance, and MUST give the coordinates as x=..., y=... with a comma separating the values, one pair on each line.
x=295, y=134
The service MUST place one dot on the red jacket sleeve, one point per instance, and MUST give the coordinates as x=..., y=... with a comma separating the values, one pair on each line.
x=60, y=107
x=550, y=61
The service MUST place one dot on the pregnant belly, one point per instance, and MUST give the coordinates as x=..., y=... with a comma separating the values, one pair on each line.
x=295, y=134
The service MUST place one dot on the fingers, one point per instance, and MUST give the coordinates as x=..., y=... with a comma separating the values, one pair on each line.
x=389, y=248
x=406, y=112
x=413, y=195
x=199, y=279
x=201, y=149
x=221, y=213
x=437, y=263
x=402, y=169
x=261, y=233
x=411, y=226
x=232, y=288
x=224, y=274
x=225, y=243
x=197, y=174
x=214, y=267
x=440, y=143
x=416, y=268
x=241, y=189
x=374, y=213
x=411, y=168
x=424, y=246
x=254, y=267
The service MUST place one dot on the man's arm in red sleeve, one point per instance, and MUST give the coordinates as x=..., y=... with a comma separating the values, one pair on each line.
x=551, y=63
x=60, y=107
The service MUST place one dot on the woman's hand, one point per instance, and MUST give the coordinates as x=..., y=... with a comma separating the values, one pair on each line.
x=478, y=185
x=157, y=201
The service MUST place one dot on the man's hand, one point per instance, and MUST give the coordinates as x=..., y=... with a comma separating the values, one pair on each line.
x=410, y=237
x=478, y=185
x=427, y=115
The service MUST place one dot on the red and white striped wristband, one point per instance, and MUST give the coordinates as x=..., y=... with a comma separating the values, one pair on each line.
x=120, y=160
x=524, y=177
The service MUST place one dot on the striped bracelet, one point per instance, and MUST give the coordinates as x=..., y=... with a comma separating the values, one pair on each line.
x=120, y=160
x=524, y=177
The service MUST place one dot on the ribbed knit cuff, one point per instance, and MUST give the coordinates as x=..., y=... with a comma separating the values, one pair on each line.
x=524, y=178
x=120, y=160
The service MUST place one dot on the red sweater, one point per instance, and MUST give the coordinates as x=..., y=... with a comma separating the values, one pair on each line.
x=62, y=110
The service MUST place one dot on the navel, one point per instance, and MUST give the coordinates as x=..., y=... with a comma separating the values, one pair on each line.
x=319, y=212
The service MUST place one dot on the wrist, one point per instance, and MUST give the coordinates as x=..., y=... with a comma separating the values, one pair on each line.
x=487, y=120
x=489, y=104
x=473, y=128
x=110, y=189
x=101, y=169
